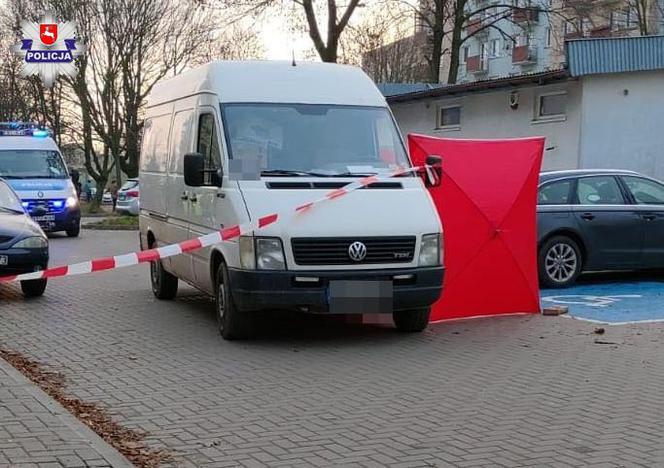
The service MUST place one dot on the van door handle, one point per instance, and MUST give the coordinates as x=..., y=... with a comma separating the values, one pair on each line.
x=184, y=196
x=588, y=216
x=193, y=198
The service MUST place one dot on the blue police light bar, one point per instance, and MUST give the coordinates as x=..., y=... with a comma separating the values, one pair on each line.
x=24, y=129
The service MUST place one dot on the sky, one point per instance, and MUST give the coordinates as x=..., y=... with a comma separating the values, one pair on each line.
x=279, y=42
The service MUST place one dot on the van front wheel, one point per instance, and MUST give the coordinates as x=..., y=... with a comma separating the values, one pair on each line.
x=411, y=320
x=233, y=324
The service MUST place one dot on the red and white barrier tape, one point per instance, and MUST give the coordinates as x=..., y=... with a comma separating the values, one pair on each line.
x=151, y=255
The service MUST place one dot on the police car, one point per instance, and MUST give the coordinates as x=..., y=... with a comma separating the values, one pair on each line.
x=32, y=164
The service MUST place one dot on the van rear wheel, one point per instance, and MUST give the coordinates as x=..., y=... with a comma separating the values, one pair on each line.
x=164, y=285
x=411, y=320
x=233, y=324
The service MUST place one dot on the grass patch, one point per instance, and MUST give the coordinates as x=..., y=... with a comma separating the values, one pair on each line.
x=115, y=223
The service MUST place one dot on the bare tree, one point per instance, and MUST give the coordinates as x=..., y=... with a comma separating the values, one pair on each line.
x=383, y=44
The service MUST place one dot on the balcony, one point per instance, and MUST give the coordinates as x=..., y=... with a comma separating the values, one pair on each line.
x=477, y=65
x=525, y=15
x=524, y=55
x=475, y=27
x=602, y=31
x=573, y=35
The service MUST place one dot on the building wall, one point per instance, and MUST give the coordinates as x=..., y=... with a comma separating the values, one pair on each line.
x=488, y=115
x=623, y=122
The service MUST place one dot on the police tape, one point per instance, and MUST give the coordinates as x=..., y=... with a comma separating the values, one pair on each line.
x=152, y=255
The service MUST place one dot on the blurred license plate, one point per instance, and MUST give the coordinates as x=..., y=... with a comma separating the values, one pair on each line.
x=121, y=196
x=45, y=218
x=4, y=260
x=367, y=297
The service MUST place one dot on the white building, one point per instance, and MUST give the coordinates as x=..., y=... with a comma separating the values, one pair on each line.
x=606, y=110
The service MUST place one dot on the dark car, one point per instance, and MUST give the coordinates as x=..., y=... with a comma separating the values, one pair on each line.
x=23, y=245
x=598, y=220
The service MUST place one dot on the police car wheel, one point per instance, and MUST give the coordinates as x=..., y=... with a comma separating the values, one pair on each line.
x=33, y=288
x=411, y=320
x=164, y=285
x=233, y=324
x=74, y=231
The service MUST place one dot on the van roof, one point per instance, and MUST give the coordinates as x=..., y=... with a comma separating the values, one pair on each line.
x=273, y=81
x=27, y=143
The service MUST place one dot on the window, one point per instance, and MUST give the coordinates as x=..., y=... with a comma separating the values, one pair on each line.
x=208, y=145
x=29, y=164
x=646, y=192
x=181, y=133
x=466, y=53
x=331, y=139
x=603, y=190
x=551, y=105
x=8, y=199
x=494, y=47
x=548, y=37
x=555, y=193
x=449, y=117
x=626, y=18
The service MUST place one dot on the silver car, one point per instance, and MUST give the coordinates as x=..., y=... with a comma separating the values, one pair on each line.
x=128, y=198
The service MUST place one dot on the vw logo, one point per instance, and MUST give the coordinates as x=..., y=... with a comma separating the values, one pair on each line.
x=357, y=251
x=40, y=194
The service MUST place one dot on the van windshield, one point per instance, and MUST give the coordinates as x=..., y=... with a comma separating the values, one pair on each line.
x=31, y=164
x=322, y=139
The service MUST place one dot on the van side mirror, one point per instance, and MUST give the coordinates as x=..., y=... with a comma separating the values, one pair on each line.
x=436, y=171
x=194, y=169
x=194, y=172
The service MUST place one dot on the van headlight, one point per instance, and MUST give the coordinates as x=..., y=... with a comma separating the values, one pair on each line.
x=31, y=243
x=269, y=254
x=431, y=250
x=71, y=202
x=262, y=253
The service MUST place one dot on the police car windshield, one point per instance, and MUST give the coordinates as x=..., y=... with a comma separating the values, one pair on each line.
x=8, y=200
x=331, y=140
x=31, y=164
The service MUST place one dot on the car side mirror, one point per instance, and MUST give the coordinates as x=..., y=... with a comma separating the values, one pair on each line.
x=194, y=169
x=434, y=174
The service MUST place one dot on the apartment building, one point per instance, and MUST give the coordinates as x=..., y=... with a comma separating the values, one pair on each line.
x=528, y=36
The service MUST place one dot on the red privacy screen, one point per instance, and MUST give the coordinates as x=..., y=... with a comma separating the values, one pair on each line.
x=487, y=203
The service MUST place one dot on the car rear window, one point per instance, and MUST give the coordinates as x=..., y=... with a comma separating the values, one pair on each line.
x=130, y=184
x=554, y=193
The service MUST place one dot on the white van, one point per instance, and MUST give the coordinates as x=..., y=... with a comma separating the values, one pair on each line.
x=231, y=142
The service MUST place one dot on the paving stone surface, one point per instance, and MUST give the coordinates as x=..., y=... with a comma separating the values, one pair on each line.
x=37, y=431
x=511, y=391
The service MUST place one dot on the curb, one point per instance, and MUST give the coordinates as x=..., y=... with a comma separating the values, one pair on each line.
x=99, y=445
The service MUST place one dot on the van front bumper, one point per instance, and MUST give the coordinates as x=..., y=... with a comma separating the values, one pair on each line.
x=412, y=288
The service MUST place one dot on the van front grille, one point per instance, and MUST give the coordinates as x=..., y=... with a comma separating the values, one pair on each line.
x=335, y=250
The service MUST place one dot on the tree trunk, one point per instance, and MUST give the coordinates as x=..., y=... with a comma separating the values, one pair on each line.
x=455, y=49
x=436, y=54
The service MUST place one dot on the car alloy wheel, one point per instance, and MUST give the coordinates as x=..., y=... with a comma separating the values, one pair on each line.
x=221, y=304
x=561, y=262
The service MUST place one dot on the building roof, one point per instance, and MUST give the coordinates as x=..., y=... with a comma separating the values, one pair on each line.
x=273, y=82
x=484, y=85
x=614, y=55
x=392, y=89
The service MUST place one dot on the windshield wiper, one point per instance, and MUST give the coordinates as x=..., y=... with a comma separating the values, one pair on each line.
x=293, y=173
x=12, y=210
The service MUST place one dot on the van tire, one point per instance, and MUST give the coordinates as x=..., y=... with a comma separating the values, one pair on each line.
x=233, y=324
x=164, y=285
x=410, y=321
x=74, y=231
x=33, y=288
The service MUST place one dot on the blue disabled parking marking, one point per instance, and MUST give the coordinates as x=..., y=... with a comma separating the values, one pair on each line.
x=611, y=303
